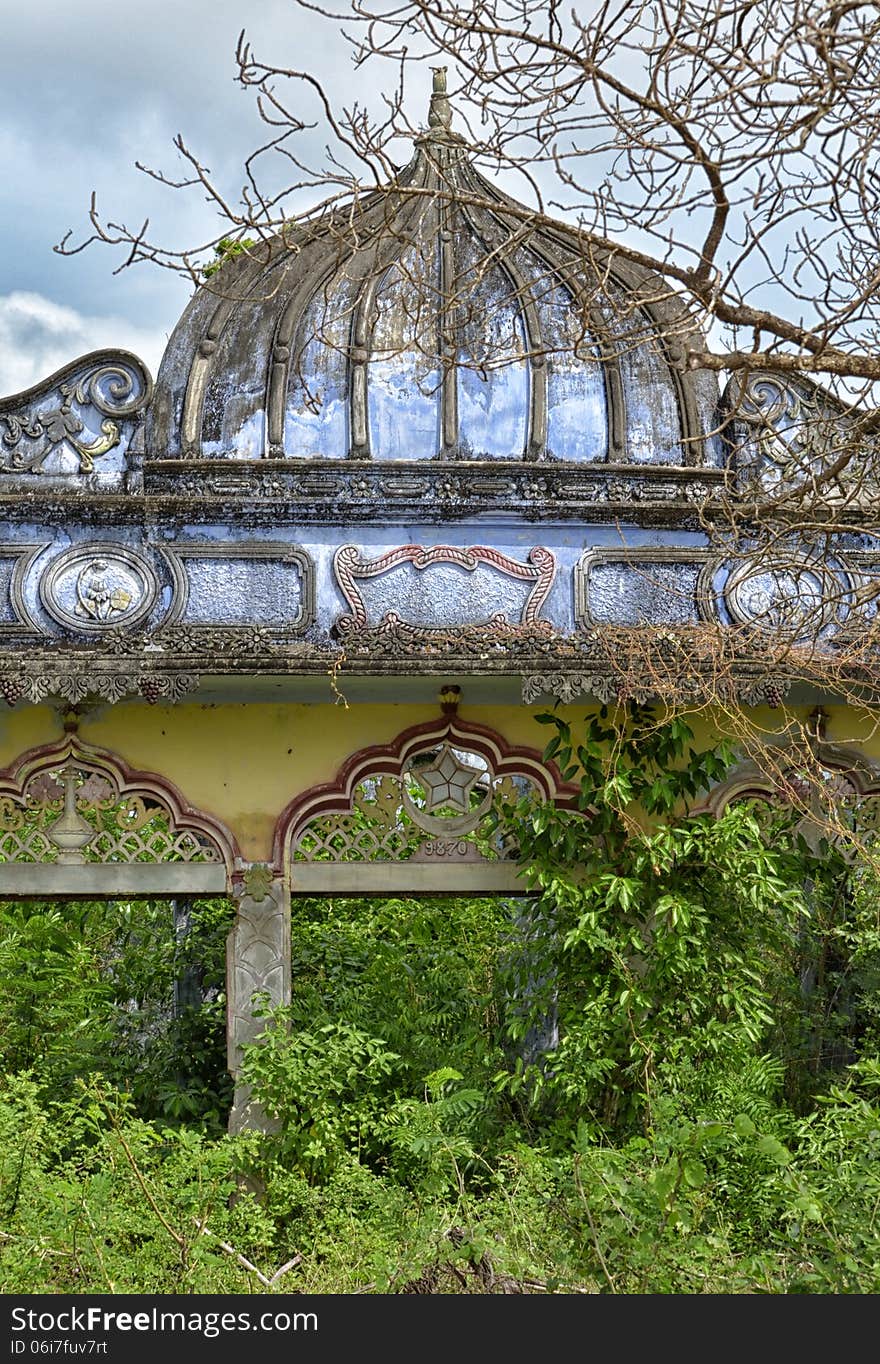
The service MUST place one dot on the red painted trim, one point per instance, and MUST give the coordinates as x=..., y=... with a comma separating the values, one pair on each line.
x=390, y=759
x=127, y=780
x=348, y=566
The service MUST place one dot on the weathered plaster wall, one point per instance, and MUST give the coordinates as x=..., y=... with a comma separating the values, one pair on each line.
x=244, y=763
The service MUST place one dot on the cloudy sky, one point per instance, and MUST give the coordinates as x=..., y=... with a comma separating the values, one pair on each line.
x=88, y=89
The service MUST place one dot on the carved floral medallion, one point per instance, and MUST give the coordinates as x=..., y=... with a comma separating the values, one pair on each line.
x=95, y=587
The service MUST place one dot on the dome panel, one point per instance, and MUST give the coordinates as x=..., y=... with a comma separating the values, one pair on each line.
x=403, y=375
x=577, y=415
x=493, y=409
x=433, y=320
x=233, y=416
x=316, y=411
x=493, y=376
x=577, y=400
x=652, y=425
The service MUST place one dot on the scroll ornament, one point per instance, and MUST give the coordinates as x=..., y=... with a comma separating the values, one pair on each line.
x=98, y=395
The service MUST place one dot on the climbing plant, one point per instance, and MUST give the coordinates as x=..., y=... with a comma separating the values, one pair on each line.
x=669, y=941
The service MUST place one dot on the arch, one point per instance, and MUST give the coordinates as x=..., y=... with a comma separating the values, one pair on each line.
x=834, y=786
x=750, y=781
x=75, y=819
x=354, y=835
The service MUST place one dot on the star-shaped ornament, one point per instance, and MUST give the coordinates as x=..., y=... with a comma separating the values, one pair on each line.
x=448, y=781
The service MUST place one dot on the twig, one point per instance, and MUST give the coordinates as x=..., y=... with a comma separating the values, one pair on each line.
x=266, y=1281
x=583, y=1197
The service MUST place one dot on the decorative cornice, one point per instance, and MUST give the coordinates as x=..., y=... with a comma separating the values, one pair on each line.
x=609, y=664
x=471, y=644
x=609, y=688
x=358, y=492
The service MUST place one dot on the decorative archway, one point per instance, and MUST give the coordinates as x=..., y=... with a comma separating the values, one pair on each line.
x=76, y=820
x=836, y=786
x=414, y=816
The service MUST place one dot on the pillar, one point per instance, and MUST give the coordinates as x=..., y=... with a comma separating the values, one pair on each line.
x=257, y=963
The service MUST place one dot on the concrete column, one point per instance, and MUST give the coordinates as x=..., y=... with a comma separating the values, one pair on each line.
x=257, y=963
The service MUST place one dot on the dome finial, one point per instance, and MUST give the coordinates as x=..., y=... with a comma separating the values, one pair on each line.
x=440, y=111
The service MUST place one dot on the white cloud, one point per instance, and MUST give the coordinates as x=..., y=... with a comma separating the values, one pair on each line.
x=38, y=336
x=89, y=88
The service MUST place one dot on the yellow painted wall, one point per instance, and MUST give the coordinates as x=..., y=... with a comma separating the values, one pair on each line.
x=244, y=763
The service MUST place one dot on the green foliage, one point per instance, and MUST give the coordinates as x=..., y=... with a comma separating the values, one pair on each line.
x=387, y=1049
x=322, y=1088
x=228, y=248
x=435, y=1138
x=94, y=1199
x=88, y=987
x=423, y=975
x=672, y=941
x=659, y=1074
x=54, y=999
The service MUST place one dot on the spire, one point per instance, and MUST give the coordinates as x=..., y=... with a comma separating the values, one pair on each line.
x=440, y=110
x=445, y=147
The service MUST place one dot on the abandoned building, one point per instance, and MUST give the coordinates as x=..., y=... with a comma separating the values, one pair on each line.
x=279, y=622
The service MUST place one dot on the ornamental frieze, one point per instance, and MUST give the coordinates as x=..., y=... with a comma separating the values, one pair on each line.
x=84, y=590
x=447, y=492
x=111, y=589
x=442, y=587
x=120, y=593
x=795, y=592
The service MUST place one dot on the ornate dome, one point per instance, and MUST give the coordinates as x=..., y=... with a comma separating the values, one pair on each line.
x=434, y=319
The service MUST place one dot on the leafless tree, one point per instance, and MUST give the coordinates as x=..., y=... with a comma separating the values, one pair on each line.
x=727, y=150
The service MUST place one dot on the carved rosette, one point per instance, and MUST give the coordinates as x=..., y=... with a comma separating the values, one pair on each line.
x=798, y=595
x=95, y=586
